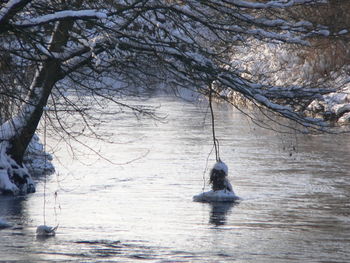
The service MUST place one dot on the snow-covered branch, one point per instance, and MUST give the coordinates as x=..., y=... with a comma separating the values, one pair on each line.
x=274, y=4
x=61, y=15
x=267, y=30
x=11, y=8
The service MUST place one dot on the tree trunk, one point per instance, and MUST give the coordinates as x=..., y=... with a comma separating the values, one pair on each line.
x=44, y=81
x=45, y=78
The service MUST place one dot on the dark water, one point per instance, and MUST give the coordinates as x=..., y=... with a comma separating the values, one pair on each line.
x=295, y=196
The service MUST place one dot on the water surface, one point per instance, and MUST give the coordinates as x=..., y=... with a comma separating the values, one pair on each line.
x=295, y=195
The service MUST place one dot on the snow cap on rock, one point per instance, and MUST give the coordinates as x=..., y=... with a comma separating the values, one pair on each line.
x=221, y=166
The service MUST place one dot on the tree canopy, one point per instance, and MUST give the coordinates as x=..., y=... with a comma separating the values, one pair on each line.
x=51, y=50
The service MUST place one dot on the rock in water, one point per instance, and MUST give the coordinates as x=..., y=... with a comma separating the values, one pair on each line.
x=216, y=196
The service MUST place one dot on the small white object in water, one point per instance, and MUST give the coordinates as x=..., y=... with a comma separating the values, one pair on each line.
x=216, y=196
x=44, y=230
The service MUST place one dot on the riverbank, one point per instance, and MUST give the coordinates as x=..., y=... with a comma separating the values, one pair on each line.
x=334, y=107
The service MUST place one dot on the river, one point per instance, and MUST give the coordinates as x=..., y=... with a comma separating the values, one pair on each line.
x=294, y=191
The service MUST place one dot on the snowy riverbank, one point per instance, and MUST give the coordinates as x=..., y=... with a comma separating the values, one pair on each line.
x=334, y=106
x=281, y=65
x=37, y=160
x=15, y=179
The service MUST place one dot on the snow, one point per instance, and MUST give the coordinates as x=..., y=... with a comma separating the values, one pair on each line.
x=271, y=105
x=43, y=50
x=221, y=166
x=337, y=97
x=338, y=103
x=323, y=32
x=6, y=186
x=9, y=5
x=343, y=32
x=14, y=178
x=37, y=161
x=13, y=126
x=225, y=195
x=287, y=72
x=303, y=24
x=340, y=109
x=345, y=119
x=216, y=196
x=9, y=129
x=273, y=4
x=80, y=14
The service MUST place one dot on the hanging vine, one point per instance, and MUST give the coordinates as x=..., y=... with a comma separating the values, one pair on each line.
x=45, y=160
x=215, y=141
x=216, y=145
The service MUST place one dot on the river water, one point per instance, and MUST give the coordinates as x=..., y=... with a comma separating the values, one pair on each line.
x=294, y=195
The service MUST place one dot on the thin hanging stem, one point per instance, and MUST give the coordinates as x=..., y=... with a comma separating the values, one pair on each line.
x=44, y=208
x=215, y=141
x=206, y=167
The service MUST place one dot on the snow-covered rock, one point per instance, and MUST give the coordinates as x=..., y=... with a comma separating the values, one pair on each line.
x=216, y=196
x=337, y=105
x=345, y=118
x=340, y=109
x=336, y=98
x=316, y=106
x=6, y=186
x=222, y=190
x=14, y=179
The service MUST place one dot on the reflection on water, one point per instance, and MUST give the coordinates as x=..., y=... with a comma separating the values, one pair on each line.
x=294, y=208
x=11, y=206
x=219, y=211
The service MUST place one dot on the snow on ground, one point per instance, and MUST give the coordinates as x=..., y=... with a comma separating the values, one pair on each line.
x=15, y=179
x=336, y=106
